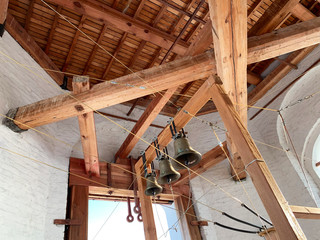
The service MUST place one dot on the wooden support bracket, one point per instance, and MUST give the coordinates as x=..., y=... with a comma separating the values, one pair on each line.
x=70, y=222
x=199, y=223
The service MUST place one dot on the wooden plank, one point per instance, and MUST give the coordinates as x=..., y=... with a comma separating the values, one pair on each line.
x=135, y=56
x=149, y=226
x=87, y=130
x=269, y=234
x=79, y=211
x=254, y=7
x=73, y=44
x=3, y=10
x=305, y=212
x=276, y=205
x=291, y=38
x=104, y=13
x=107, y=94
x=144, y=122
x=189, y=231
x=253, y=78
x=302, y=12
x=272, y=17
x=209, y=159
x=27, y=42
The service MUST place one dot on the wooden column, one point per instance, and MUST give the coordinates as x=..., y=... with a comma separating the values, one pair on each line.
x=229, y=31
x=87, y=129
x=3, y=11
x=149, y=226
x=188, y=231
x=276, y=205
x=79, y=211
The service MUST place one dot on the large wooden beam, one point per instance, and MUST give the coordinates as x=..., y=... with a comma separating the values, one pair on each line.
x=27, y=42
x=305, y=212
x=87, y=130
x=125, y=88
x=276, y=205
x=79, y=211
x=229, y=31
x=104, y=13
x=149, y=226
x=148, y=116
x=291, y=38
x=302, y=12
x=209, y=159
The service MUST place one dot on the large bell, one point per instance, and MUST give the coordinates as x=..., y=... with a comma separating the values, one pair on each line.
x=167, y=173
x=152, y=188
x=184, y=154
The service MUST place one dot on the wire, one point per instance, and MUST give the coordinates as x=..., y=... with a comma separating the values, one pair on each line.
x=235, y=229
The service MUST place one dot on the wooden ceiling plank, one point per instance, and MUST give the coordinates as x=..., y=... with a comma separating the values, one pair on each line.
x=107, y=94
x=73, y=44
x=52, y=30
x=148, y=116
x=27, y=42
x=254, y=7
x=95, y=49
x=29, y=15
x=229, y=31
x=292, y=38
x=274, y=202
x=272, y=17
x=102, y=12
x=209, y=159
x=305, y=212
x=87, y=129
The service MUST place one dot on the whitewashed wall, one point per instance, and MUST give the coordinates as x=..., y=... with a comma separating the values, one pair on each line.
x=31, y=194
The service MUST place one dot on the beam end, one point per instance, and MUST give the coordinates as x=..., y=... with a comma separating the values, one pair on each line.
x=9, y=122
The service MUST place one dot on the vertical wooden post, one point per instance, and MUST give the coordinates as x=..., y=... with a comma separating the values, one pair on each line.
x=3, y=15
x=79, y=211
x=188, y=231
x=281, y=215
x=149, y=226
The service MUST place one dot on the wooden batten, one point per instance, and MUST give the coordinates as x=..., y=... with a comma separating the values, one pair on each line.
x=305, y=212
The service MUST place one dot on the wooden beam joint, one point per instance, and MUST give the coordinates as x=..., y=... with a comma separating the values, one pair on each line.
x=70, y=222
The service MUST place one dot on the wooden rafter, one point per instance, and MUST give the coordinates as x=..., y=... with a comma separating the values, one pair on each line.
x=275, y=204
x=52, y=30
x=29, y=15
x=87, y=130
x=144, y=122
x=135, y=56
x=306, y=212
x=302, y=12
x=95, y=49
x=27, y=42
x=254, y=7
x=107, y=94
x=73, y=44
x=102, y=12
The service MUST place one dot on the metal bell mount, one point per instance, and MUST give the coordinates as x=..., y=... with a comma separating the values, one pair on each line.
x=152, y=187
x=184, y=153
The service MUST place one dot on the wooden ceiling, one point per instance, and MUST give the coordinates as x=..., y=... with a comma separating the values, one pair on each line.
x=138, y=33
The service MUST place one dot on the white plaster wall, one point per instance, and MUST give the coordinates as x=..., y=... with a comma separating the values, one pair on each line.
x=31, y=195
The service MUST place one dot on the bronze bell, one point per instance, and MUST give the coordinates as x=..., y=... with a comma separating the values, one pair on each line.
x=152, y=188
x=167, y=173
x=184, y=154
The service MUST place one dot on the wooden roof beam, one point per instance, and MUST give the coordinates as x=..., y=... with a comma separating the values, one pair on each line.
x=27, y=42
x=305, y=212
x=126, y=88
x=275, y=204
x=112, y=17
x=87, y=130
x=53, y=29
x=229, y=31
x=148, y=116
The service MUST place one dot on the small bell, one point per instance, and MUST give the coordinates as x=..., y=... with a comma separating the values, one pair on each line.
x=184, y=153
x=167, y=173
x=152, y=188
